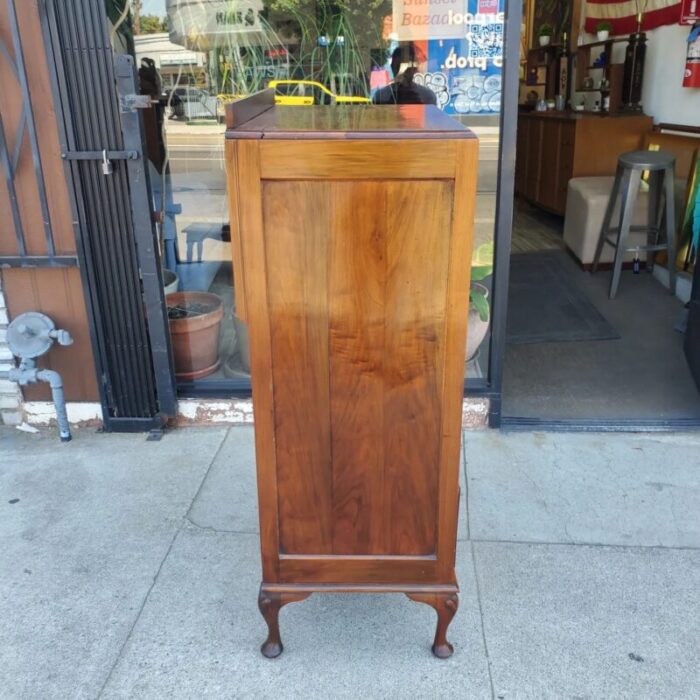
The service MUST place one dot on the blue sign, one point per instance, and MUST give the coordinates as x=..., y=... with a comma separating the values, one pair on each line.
x=465, y=74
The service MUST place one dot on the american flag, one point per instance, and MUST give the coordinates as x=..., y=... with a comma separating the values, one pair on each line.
x=622, y=14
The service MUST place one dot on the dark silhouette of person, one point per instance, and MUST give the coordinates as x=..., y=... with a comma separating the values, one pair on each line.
x=403, y=91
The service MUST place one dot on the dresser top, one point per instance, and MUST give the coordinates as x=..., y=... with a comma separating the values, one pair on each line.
x=363, y=121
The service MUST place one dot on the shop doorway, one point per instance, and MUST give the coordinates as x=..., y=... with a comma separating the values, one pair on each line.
x=574, y=356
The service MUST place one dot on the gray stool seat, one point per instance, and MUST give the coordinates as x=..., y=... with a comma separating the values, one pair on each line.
x=647, y=160
x=630, y=166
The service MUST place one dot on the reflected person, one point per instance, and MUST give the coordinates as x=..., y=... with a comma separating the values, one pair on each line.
x=403, y=91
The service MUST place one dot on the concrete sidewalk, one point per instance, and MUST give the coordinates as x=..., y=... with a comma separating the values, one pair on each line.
x=131, y=568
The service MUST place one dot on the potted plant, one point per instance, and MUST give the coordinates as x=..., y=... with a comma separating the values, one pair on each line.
x=479, y=309
x=170, y=281
x=195, y=323
x=603, y=30
x=545, y=34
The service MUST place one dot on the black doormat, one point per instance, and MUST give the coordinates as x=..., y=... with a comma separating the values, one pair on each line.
x=546, y=306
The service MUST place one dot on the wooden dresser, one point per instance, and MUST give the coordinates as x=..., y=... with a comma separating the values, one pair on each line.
x=351, y=235
x=553, y=147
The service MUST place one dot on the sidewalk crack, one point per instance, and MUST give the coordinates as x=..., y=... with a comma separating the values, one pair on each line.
x=144, y=602
x=206, y=474
x=127, y=639
x=466, y=483
x=218, y=530
x=481, y=617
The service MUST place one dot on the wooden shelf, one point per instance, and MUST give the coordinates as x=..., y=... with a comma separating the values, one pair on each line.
x=593, y=44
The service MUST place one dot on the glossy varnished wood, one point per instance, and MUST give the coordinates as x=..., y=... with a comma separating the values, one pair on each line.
x=297, y=216
x=241, y=111
x=357, y=160
x=445, y=605
x=399, y=122
x=270, y=604
x=354, y=257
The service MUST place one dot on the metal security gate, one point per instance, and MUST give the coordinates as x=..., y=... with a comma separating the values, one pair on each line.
x=102, y=145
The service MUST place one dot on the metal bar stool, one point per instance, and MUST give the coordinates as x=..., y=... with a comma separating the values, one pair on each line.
x=630, y=166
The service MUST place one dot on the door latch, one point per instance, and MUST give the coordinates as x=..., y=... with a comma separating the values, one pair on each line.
x=107, y=167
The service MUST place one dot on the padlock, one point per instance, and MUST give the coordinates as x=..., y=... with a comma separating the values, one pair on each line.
x=107, y=168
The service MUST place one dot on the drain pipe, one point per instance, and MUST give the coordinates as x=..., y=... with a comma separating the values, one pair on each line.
x=29, y=336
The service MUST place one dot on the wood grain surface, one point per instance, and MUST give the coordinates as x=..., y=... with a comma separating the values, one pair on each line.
x=395, y=122
x=356, y=258
x=296, y=247
x=357, y=160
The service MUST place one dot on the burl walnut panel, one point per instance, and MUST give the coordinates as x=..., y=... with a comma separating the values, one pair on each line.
x=356, y=318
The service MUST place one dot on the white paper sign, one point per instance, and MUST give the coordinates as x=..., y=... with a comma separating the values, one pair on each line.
x=427, y=19
x=206, y=24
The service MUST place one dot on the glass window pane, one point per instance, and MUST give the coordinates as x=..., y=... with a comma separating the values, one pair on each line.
x=194, y=56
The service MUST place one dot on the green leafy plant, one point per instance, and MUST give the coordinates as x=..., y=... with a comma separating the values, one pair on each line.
x=482, y=267
x=603, y=26
x=546, y=30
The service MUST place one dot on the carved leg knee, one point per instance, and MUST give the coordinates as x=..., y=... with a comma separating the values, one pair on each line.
x=445, y=605
x=270, y=604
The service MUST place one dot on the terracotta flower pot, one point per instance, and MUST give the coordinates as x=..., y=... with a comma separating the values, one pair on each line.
x=195, y=323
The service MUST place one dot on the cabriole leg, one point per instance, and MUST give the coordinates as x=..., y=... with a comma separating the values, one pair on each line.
x=270, y=604
x=445, y=605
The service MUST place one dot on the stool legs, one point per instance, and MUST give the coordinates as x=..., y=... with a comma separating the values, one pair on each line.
x=605, y=228
x=632, y=178
x=670, y=227
x=656, y=178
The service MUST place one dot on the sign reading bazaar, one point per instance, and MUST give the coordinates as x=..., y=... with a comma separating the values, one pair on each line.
x=462, y=41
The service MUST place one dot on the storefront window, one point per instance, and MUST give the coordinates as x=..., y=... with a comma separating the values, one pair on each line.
x=194, y=56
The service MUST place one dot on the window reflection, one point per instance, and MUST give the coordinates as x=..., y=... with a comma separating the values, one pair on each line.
x=194, y=56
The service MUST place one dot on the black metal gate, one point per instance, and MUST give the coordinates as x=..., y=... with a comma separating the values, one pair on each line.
x=102, y=142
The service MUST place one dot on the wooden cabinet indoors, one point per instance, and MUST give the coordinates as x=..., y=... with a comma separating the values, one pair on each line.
x=351, y=235
x=553, y=147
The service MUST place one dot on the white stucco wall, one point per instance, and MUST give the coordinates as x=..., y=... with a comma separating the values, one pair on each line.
x=664, y=98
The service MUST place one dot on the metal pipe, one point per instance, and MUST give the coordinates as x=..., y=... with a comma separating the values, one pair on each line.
x=29, y=375
x=59, y=401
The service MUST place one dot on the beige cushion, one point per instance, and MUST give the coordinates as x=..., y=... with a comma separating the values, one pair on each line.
x=586, y=201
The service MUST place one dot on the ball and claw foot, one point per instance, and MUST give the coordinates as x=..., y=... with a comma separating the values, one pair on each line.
x=445, y=605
